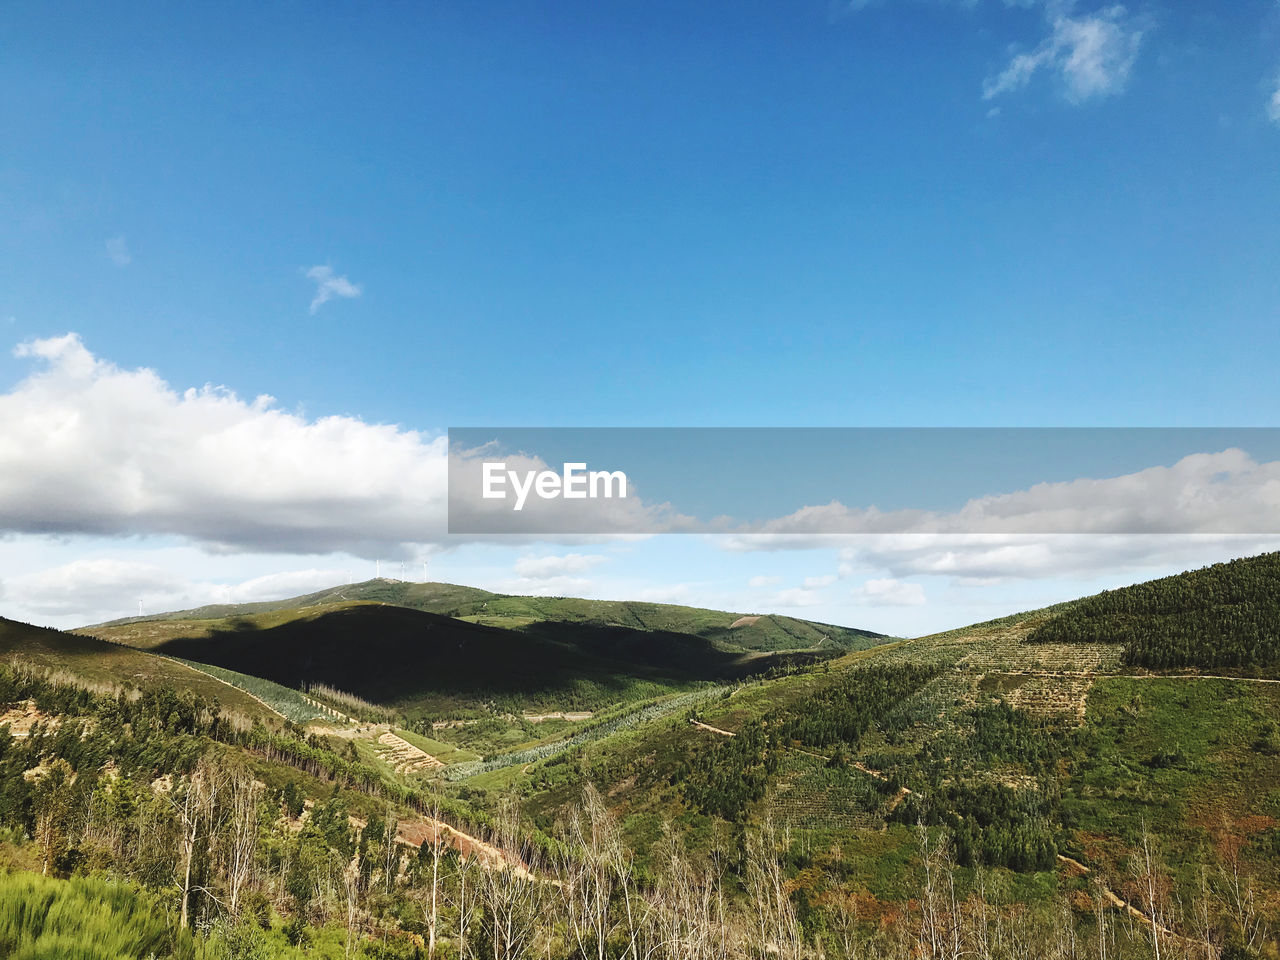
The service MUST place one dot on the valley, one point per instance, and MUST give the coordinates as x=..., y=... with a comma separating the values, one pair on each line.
x=1061, y=774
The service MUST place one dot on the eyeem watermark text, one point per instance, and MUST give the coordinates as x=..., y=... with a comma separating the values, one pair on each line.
x=575, y=482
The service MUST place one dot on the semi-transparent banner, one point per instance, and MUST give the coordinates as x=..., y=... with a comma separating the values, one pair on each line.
x=806, y=481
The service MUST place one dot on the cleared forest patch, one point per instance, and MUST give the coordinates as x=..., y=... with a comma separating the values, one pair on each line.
x=404, y=757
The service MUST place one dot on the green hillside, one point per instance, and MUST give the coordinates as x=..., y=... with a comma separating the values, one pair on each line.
x=423, y=662
x=1226, y=615
x=732, y=630
x=94, y=661
x=1025, y=752
x=1052, y=791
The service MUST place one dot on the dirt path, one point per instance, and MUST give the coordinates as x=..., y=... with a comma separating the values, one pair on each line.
x=573, y=717
x=225, y=684
x=413, y=833
x=706, y=726
x=1119, y=903
x=404, y=757
x=1098, y=675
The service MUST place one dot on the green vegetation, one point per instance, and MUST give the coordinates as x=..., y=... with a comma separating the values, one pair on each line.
x=87, y=918
x=1226, y=615
x=597, y=730
x=426, y=665
x=287, y=702
x=109, y=666
x=731, y=631
x=843, y=805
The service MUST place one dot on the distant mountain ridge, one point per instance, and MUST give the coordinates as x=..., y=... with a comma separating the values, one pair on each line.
x=734, y=631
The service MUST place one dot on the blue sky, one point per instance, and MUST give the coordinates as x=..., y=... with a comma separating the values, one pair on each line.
x=894, y=213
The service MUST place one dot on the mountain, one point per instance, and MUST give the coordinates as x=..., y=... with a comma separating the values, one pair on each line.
x=736, y=631
x=1040, y=736
x=425, y=662
x=1041, y=771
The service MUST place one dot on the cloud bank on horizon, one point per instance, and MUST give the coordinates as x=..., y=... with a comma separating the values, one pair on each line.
x=91, y=450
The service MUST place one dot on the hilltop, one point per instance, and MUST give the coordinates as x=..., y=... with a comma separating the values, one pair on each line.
x=734, y=631
x=420, y=662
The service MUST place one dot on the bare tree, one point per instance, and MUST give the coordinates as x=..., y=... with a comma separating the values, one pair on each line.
x=940, y=930
x=1238, y=897
x=595, y=876
x=778, y=930
x=1153, y=886
x=685, y=916
x=1101, y=915
x=510, y=894
x=464, y=901
x=434, y=847
x=242, y=834
x=194, y=807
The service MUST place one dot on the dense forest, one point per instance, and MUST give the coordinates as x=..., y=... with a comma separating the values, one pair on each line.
x=1226, y=615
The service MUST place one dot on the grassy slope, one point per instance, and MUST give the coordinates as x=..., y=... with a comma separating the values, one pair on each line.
x=423, y=662
x=1197, y=760
x=764, y=633
x=98, y=662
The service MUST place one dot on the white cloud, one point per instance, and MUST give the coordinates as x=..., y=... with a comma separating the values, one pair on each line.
x=86, y=447
x=108, y=587
x=101, y=583
x=1092, y=54
x=763, y=581
x=993, y=558
x=1273, y=105
x=118, y=251
x=794, y=597
x=329, y=285
x=1227, y=492
x=545, y=568
x=817, y=583
x=548, y=586
x=889, y=592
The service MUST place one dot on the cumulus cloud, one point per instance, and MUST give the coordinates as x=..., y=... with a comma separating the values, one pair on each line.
x=118, y=251
x=763, y=581
x=330, y=285
x=545, y=568
x=555, y=586
x=889, y=592
x=1227, y=492
x=87, y=447
x=95, y=584
x=794, y=597
x=105, y=588
x=990, y=558
x=1092, y=54
x=817, y=583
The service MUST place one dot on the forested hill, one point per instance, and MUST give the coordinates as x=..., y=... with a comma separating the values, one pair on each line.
x=1223, y=616
x=768, y=632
